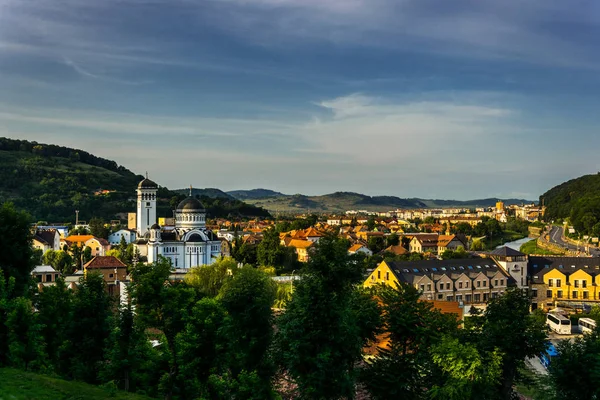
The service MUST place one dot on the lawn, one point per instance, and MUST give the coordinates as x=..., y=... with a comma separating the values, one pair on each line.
x=531, y=247
x=19, y=385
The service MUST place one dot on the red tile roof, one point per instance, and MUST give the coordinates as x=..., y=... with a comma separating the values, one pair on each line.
x=105, y=262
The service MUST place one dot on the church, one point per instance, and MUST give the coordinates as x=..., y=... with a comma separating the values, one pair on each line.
x=187, y=244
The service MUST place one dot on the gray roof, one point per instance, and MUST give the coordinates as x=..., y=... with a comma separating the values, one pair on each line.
x=539, y=266
x=407, y=271
x=190, y=203
x=147, y=184
x=43, y=269
x=506, y=252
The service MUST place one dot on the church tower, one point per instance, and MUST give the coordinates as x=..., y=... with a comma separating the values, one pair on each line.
x=146, y=205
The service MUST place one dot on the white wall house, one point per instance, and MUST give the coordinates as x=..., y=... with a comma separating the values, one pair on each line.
x=115, y=238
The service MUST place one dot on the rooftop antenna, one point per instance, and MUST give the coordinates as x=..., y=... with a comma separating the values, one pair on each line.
x=190, y=190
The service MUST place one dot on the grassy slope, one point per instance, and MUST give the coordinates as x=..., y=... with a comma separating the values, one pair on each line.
x=531, y=247
x=20, y=385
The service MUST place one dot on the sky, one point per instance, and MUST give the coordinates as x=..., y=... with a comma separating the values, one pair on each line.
x=413, y=98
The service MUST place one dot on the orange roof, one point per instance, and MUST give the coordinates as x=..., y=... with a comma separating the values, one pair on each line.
x=449, y=307
x=397, y=250
x=78, y=238
x=355, y=247
x=312, y=232
x=105, y=262
x=300, y=244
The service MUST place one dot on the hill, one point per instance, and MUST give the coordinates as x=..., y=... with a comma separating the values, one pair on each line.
x=577, y=199
x=343, y=201
x=213, y=193
x=20, y=385
x=254, y=194
x=50, y=182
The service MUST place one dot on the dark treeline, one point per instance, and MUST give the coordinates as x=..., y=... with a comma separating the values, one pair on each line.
x=215, y=336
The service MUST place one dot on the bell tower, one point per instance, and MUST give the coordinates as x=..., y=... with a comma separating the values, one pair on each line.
x=146, y=205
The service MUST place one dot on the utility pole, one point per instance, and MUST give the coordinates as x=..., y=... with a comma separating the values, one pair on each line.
x=76, y=218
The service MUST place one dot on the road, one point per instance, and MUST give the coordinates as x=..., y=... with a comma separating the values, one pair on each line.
x=556, y=233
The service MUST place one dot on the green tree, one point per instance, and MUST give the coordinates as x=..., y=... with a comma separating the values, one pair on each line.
x=248, y=299
x=162, y=305
x=87, y=254
x=371, y=223
x=459, y=253
x=376, y=244
x=25, y=345
x=392, y=240
x=131, y=360
x=201, y=348
x=209, y=279
x=270, y=252
x=88, y=330
x=54, y=309
x=403, y=370
x=16, y=257
x=526, y=337
x=6, y=294
x=59, y=260
x=77, y=255
x=319, y=338
x=576, y=370
x=98, y=228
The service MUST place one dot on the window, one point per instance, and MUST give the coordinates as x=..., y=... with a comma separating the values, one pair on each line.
x=39, y=278
x=478, y=283
x=558, y=283
x=586, y=295
x=533, y=292
x=48, y=277
x=477, y=297
x=440, y=296
x=484, y=283
x=422, y=288
x=495, y=282
x=574, y=294
x=576, y=283
x=429, y=287
x=550, y=282
x=147, y=204
x=501, y=282
x=549, y=293
x=441, y=286
x=111, y=275
x=460, y=285
x=559, y=294
x=458, y=297
x=387, y=276
x=584, y=283
x=447, y=286
x=449, y=298
x=467, y=284
x=485, y=297
x=378, y=274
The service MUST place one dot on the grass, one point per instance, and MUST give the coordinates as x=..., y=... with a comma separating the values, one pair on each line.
x=507, y=236
x=19, y=385
x=531, y=247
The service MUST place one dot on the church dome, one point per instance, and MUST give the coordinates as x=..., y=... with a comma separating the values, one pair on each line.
x=147, y=184
x=190, y=204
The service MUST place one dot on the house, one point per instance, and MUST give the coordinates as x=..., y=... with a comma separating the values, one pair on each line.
x=112, y=269
x=564, y=281
x=114, y=239
x=448, y=242
x=44, y=275
x=301, y=247
x=360, y=248
x=398, y=250
x=424, y=243
x=471, y=281
x=513, y=262
x=46, y=239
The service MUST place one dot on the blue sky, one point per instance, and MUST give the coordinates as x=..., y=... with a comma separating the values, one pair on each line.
x=415, y=98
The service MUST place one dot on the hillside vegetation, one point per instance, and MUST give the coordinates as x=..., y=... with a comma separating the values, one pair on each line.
x=578, y=200
x=19, y=385
x=343, y=201
x=50, y=182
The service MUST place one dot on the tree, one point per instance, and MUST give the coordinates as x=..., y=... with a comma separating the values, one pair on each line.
x=17, y=257
x=403, y=369
x=25, y=345
x=459, y=253
x=131, y=361
x=248, y=299
x=376, y=244
x=371, y=223
x=525, y=338
x=88, y=330
x=201, y=347
x=576, y=370
x=87, y=254
x=319, y=338
x=98, y=228
x=270, y=252
x=162, y=305
x=209, y=279
x=54, y=308
x=77, y=255
x=59, y=260
x=393, y=240
x=6, y=295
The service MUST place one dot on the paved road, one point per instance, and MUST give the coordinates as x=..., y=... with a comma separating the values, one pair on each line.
x=556, y=233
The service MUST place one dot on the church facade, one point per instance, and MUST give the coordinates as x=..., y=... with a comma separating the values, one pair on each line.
x=187, y=244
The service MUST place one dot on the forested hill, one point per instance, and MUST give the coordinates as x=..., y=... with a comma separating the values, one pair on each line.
x=50, y=182
x=577, y=199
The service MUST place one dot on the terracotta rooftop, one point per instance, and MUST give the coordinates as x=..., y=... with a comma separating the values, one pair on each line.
x=105, y=262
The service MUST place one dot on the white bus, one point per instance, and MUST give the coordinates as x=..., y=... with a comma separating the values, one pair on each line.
x=586, y=325
x=559, y=323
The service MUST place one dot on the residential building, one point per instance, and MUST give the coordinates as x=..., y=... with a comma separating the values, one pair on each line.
x=513, y=262
x=44, y=275
x=114, y=239
x=46, y=239
x=360, y=248
x=471, y=281
x=112, y=269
